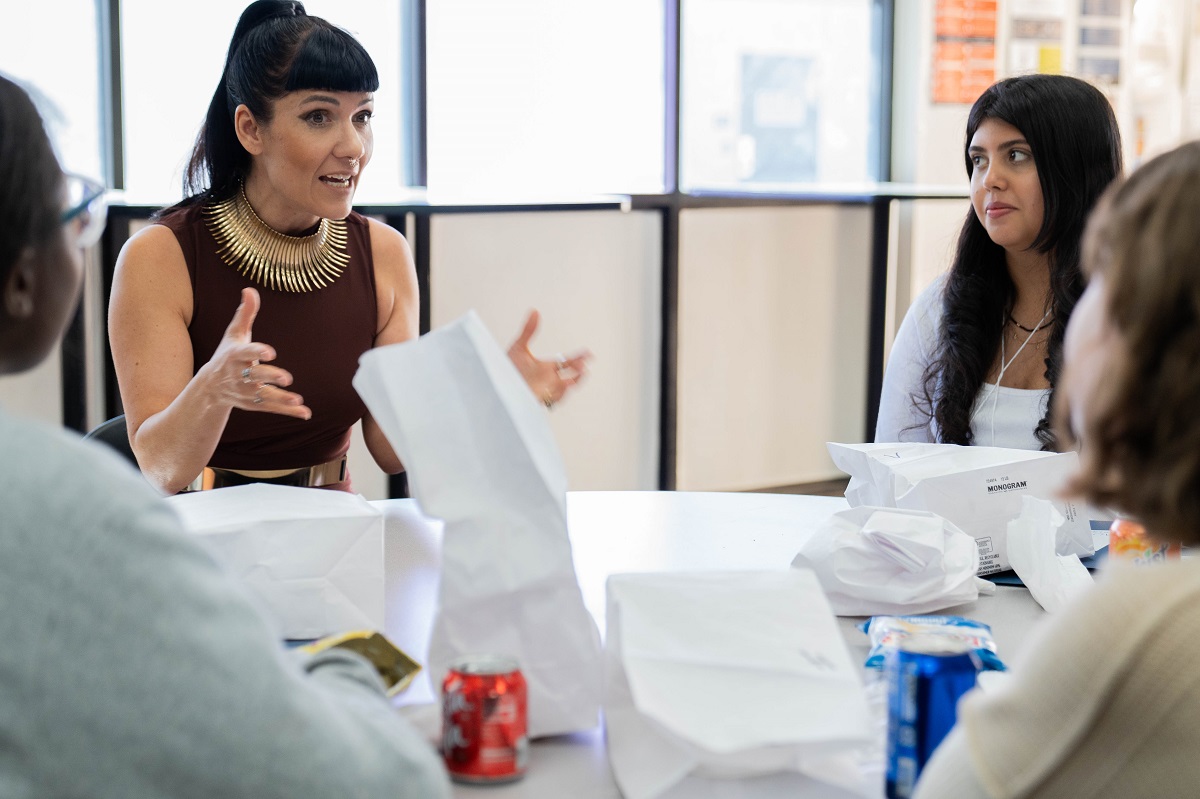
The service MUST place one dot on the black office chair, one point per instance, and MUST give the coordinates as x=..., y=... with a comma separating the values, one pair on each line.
x=114, y=434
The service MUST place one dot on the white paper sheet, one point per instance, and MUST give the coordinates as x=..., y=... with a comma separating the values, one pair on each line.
x=314, y=558
x=481, y=456
x=978, y=489
x=891, y=561
x=1053, y=579
x=715, y=678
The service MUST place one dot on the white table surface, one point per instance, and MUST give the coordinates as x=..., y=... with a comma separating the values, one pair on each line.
x=615, y=532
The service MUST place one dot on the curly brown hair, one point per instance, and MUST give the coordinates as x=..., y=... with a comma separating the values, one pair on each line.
x=1140, y=453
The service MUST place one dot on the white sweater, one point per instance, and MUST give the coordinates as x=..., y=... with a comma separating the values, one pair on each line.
x=1002, y=417
x=1105, y=703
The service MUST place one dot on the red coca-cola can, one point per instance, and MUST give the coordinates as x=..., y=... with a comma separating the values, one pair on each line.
x=483, y=720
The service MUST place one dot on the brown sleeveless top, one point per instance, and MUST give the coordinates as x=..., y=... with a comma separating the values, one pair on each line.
x=318, y=337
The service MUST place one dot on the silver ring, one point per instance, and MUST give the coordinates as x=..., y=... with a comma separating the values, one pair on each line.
x=246, y=375
x=258, y=397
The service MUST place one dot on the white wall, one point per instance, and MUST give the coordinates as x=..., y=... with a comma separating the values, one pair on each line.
x=772, y=343
x=595, y=277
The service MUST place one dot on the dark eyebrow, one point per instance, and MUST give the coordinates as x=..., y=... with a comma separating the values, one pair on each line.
x=320, y=98
x=326, y=98
x=1007, y=145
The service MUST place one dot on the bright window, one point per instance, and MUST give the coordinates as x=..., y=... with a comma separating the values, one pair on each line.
x=167, y=87
x=51, y=49
x=777, y=92
x=530, y=96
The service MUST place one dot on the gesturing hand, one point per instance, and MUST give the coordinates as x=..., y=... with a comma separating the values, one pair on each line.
x=239, y=371
x=549, y=380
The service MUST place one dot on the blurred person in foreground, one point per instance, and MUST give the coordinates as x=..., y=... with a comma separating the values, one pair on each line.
x=132, y=665
x=238, y=318
x=1106, y=701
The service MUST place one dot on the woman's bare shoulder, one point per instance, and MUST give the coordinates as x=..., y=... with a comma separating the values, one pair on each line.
x=387, y=242
x=151, y=269
x=152, y=247
x=396, y=289
x=394, y=267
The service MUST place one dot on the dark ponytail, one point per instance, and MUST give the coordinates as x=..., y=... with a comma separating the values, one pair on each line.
x=276, y=48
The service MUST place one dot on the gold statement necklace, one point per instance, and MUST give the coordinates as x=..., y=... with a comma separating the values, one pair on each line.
x=273, y=259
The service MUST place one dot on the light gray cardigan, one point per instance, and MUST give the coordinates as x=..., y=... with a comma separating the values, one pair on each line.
x=132, y=666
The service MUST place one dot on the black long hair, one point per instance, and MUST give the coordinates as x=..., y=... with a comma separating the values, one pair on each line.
x=276, y=49
x=1076, y=145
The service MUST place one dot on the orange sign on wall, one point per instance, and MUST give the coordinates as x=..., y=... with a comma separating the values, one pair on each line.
x=967, y=19
x=964, y=55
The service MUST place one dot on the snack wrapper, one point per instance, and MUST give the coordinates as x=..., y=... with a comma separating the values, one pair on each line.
x=395, y=668
x=887, y=632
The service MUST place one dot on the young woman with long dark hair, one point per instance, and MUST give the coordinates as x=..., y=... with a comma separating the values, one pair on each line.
x=978, y=355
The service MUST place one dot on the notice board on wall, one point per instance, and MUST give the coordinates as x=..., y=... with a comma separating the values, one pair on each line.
x=1036, y=37
x=964, y=53
x=1100, y=56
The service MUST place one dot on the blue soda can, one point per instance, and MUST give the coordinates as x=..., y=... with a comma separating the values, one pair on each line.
x=926, y=675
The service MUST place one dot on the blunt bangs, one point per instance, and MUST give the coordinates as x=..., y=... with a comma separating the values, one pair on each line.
x=329, y=58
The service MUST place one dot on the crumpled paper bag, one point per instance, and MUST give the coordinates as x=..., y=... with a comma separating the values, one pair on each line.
x=313, y=557
x=978, y=489
x=889, y=561
x=481, y=456
x=731, y=684
x=1053, y=579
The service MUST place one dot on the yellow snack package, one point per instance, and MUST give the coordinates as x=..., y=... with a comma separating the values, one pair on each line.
x=395, y=667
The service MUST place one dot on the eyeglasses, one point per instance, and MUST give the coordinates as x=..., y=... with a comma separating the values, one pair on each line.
x=86, y=210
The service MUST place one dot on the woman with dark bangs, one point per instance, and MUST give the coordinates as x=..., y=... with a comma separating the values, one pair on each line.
x=266, y=262
x=1104, y=698
x=978, y=354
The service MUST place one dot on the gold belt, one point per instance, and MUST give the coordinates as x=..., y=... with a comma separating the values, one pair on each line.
x=322, y=474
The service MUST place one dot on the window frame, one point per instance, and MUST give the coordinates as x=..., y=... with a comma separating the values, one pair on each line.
x=415, y=215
